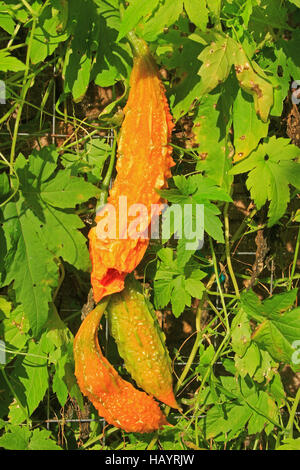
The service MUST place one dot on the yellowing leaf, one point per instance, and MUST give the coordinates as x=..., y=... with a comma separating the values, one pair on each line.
x=251, y=80
x=248, y=127
x=219, y=56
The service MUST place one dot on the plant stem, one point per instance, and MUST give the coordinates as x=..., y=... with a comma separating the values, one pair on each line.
x=153, y=442
x=227, y=251
x=231, y=296
x=13, y=36
x=61, y=279
x=25, y=88
x=214, y=259
x=106, y=181
x=225, y=339
x=193, y=352
x=215, y=310
x=139, y=47
x=79, y=141
x=6, y=116
x=97, y=438
x=240, y=230
x=197, y=340
x=198, y=318
x=289, y=427
x=31, y=11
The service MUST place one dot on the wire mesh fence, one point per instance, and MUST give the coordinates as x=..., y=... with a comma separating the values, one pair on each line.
x=239, y=254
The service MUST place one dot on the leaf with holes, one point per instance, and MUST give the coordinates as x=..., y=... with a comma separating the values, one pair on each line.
x=254, y=82
x=212, y=122
x=217, y=60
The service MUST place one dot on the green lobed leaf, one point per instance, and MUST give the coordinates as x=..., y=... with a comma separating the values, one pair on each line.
x=180, y=54
x=40, y=225
x=84, y=28
x=29, y=264
x=290, y=55
x=273, y=14
x=219, y=56
x=165, y=15
x=64, y=191
x=46, y=36
x=6, y=21
x=273, y=167
x=134, y=13
x=267, y=367
x=16, y=439
x=179, y=296
x=77, y=74
x=277, y=335
x=202, y=190
x=9, y=62
x=30, y=375
x=217, y=60
x=276, y=63
x=90, y=161
x=176, y=281
x=277, y=329
x=290, y=444
x=249, y=361
x=266, y=413
x=22, y=438
x=113, y=59
x=41, y=439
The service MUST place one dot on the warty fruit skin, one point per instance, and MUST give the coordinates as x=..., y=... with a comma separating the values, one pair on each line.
x=140, y=341
x=116, y=400
x=143, y=167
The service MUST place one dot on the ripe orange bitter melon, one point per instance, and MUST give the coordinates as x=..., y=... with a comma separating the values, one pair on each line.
x=116, y=400
x=140, y=341
x=143, y=166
